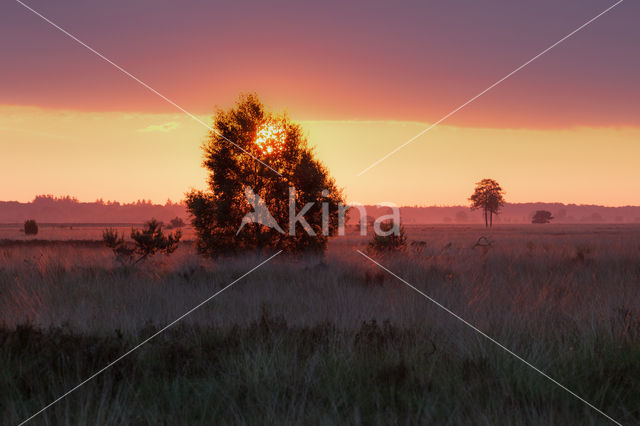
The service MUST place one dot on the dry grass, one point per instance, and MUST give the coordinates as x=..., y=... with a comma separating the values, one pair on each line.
x=581, y=277
x=70, y=232
x=564, y=297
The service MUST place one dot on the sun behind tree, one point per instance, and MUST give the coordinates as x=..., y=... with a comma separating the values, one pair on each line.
x=274, y=140
x=271, y=137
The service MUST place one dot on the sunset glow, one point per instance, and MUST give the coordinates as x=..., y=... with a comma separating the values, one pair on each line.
x=359, y=89
x=271, y=137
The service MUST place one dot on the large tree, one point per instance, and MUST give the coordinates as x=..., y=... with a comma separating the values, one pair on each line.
x=489, y=197
x=269, y=155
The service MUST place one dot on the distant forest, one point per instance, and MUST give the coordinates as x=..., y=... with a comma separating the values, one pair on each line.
x=50, y=209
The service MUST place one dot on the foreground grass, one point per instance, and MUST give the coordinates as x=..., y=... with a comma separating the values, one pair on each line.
x=271, y=373
x=332, y=339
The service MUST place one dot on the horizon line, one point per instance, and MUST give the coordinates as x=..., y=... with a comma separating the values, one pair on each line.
x=181, y=202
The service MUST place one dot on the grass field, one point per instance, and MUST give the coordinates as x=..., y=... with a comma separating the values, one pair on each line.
x=328, y=340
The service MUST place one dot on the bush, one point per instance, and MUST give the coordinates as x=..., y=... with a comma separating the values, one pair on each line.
x=123, y=251
x=542, y=216
x=176, y=223
x=30, y=227
x=147, y=242
x=394, y=238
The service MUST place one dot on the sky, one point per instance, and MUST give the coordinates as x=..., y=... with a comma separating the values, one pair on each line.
x=361, y=78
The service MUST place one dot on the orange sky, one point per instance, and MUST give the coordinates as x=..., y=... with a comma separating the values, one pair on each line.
x=361, y=80
x=127, y=156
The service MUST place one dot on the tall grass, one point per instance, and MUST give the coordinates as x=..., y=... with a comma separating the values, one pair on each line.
x=331, y=339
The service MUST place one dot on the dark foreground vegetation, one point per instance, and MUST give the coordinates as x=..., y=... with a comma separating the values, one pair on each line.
x=329, y=339
x=271, y=373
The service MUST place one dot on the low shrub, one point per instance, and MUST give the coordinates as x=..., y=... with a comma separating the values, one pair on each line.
x=391, y=238
x=147, y=242
x=30, y=227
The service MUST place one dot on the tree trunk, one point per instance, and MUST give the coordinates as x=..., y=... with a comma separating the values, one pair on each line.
x=486, y=223
x=491, y=219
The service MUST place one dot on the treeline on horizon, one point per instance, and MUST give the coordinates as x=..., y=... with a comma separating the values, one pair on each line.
x=67, y=209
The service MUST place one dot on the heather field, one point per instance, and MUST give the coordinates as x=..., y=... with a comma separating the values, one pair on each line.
x=327, y=340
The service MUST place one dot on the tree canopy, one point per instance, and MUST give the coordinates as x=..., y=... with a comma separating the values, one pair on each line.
x=542, y=216
x=285, y=161
x=488, y=196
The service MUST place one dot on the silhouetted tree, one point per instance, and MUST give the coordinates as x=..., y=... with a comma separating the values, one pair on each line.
x=276, y=141
x=147, y=242
x=30, y=227
x=542, y=216
x=489, y=197
x=176, y=222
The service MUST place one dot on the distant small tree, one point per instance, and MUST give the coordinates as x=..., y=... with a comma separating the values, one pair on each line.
x=30, y=227
x=147, y=242
x=176, y=222
x=392, y=237
x=542, y=216
x=489, y=197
